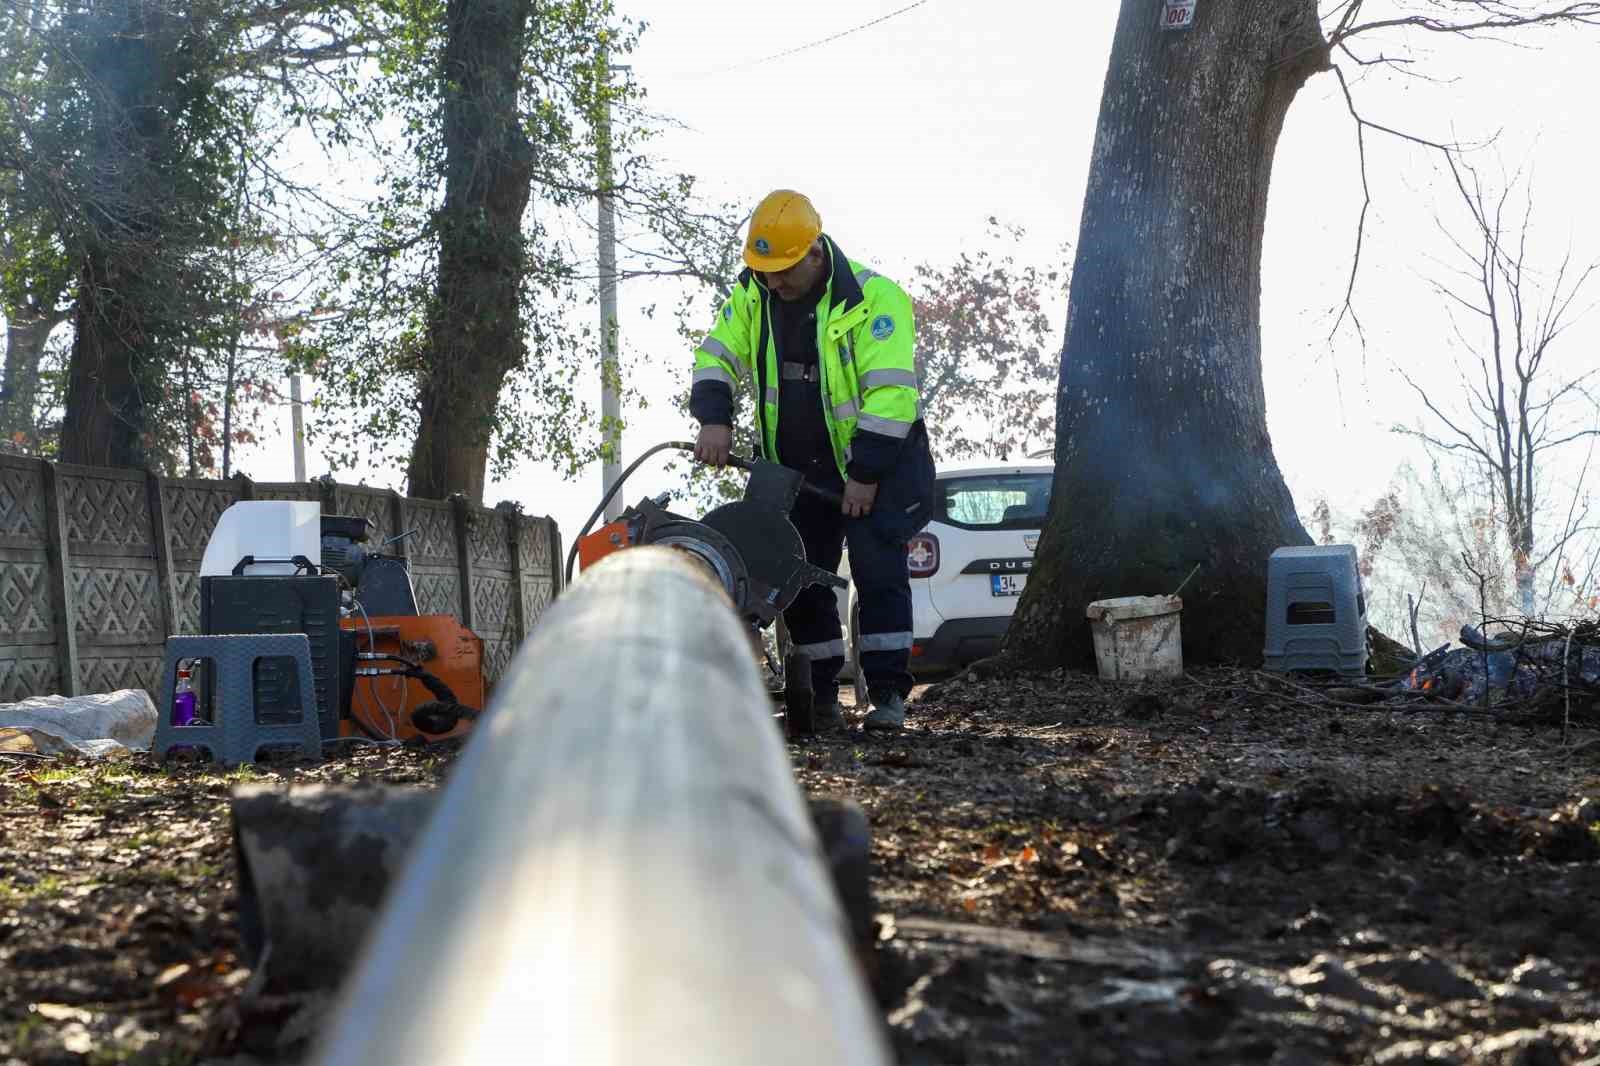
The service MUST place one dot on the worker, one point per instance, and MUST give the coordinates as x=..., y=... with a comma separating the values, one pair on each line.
x=823, y=347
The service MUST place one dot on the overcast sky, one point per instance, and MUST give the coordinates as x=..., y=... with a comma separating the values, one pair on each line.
x=909, y=133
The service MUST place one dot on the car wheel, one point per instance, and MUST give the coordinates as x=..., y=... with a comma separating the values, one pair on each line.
x=855, y=657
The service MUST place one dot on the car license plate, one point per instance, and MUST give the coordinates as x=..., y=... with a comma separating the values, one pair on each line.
x=1007, y=584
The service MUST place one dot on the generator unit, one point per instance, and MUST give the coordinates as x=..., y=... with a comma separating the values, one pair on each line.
x=382, y=670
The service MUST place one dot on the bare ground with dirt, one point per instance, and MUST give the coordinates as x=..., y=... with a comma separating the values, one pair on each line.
x=117, y=911
x=1066, y=871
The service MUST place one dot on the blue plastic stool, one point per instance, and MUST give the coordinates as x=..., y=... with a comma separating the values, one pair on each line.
x=233, y=736
x=1316, y=610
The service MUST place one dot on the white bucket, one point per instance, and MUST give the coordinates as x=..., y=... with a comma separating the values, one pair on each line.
x=1137, y=637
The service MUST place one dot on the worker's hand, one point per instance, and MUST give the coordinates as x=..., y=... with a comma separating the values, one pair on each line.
x=858, y=498
x=714, y=445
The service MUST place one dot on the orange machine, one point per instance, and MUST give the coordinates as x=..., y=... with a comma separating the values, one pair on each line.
x=602, y=542
x=381, y=706
x=749, y=545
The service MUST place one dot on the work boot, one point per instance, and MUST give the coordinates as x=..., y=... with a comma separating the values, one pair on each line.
x=888, y=711
x=826, y=716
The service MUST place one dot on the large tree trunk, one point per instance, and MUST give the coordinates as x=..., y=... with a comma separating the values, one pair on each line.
x=133, y=232
x=475, y=333
x=1162, y=454
x=107, y=419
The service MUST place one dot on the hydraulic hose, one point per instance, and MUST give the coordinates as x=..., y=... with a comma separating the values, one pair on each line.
x=443, y=696
x=736, y=461
x=572, y=553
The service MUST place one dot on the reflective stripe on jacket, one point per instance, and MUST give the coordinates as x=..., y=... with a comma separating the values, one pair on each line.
x=865, y=341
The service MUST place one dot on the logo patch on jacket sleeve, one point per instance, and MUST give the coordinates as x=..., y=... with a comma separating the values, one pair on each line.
x=883, y=327
x=727, y=312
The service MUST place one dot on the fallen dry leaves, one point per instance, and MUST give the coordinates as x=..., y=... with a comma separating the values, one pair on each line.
x=117, y=924
x=1195, y=814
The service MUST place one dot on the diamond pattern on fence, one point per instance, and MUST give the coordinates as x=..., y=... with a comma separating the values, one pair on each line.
x=536, y=596
x=22, y=517
x=492, y=603
x=29, y=655
x=105, y=511
x=193, y=511
x=124, y=668
x=117, y=594
x=117, y=601
x=534, y=546
x=188, y=582
x=497, y=655
x=490, y=539
x=437, y=592
x=26, y=612
x=436, y=532
x=21, y=678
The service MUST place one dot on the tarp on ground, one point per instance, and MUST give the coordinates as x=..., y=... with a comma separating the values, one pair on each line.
x=102, y=725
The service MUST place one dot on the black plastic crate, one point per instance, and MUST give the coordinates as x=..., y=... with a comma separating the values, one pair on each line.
x=284, y=604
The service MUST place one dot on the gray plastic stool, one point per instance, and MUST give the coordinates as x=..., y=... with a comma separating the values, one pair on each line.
x=234, y=736
x=1316, y=610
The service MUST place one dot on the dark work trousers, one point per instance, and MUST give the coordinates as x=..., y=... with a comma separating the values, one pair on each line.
x=877, y=568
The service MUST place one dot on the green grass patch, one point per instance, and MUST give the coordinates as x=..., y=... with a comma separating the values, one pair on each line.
x=14, y=893
x=108, y=790
x=58, y=775
x=242, y=774
x=100, y=782
x=32, y=1034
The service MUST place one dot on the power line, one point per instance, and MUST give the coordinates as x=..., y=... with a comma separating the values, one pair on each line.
x=813, y=44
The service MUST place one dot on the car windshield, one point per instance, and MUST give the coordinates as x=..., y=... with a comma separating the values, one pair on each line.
x=995, y=501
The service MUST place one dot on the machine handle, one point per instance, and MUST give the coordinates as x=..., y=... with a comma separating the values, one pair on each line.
x=736, y=461
x=827, y=496
x=300, y=562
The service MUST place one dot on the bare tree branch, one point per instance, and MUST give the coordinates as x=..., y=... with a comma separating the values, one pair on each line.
x=1483, y=16
x=1347, y=308
x=1515, y=395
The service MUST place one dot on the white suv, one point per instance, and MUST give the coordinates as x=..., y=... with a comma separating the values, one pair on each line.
x=969, y=565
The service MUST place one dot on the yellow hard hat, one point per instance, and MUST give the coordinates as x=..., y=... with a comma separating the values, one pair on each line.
x=782, y=230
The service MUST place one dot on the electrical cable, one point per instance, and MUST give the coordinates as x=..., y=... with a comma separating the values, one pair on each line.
x=372, y=643
x=735, y=461
x=377, y=739
x=807, y=47
x=446, y=699
x=405, y=695
x=572, y=555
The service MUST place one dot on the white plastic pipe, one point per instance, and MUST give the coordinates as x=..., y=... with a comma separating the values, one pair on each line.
x=621, y=869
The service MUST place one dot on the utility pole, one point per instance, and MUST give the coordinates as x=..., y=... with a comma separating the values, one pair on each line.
x=298, y=422
x=610, y=366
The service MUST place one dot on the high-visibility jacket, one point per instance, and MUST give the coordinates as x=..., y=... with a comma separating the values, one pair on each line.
x=865, y=341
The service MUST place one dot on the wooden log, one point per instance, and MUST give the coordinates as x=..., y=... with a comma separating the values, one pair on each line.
x=621, y=868
x=315, y=863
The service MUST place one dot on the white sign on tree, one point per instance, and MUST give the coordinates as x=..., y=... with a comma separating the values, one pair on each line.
x=1177, y=14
